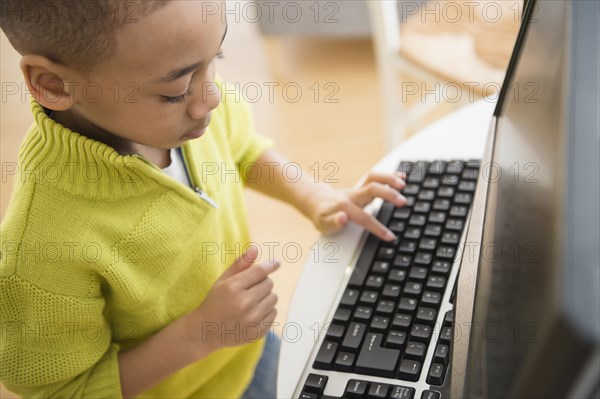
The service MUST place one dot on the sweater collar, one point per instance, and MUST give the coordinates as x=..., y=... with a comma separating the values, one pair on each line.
x=52, y=154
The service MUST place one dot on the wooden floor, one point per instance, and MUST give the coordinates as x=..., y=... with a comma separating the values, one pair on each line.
x=333, y=127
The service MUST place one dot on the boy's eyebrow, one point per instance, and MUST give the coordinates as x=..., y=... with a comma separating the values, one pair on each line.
x=177, y=73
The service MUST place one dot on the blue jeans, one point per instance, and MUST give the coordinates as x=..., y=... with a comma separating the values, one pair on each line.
x=264, y=383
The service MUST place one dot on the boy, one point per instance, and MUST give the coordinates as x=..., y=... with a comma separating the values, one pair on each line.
x=106, y=287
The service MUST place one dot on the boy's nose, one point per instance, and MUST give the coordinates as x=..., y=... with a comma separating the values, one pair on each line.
x=202, y=104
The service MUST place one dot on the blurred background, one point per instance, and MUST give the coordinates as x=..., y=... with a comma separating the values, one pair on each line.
x=336, y=84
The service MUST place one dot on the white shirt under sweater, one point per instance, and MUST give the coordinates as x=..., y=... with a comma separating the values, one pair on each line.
x=177, y=168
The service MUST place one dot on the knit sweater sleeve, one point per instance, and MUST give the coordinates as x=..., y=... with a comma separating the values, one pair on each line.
x=55, y=346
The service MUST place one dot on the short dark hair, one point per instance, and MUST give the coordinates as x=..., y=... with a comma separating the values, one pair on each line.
x=77, y=33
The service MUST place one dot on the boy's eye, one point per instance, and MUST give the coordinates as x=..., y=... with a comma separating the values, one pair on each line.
x=178, y=99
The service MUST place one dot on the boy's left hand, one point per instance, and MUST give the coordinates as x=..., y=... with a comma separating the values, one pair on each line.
x=331, y=209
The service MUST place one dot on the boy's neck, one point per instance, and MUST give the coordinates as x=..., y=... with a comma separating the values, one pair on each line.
x=158, y=156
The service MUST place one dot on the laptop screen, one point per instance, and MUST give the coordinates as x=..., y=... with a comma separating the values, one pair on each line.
x=535, y=325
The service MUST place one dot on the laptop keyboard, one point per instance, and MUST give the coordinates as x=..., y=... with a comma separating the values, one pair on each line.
x=384, y=321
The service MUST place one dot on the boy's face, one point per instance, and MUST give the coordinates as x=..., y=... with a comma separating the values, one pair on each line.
x=138, y=95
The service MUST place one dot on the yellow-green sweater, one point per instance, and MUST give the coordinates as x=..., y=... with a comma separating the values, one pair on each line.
x=100, y=251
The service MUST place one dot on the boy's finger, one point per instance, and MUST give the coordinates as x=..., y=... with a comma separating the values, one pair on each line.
x=362, y=218
x=396, y=180
x=368, y=193
x=254, y=275
x=335, y=222
x=241, y=263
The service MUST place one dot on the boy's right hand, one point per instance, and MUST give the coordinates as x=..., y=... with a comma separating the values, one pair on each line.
x=239, y=308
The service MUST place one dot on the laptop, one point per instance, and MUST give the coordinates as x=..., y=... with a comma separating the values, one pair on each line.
x=492, y=289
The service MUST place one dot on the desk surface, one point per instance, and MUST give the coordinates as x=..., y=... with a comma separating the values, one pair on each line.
x=460, y=135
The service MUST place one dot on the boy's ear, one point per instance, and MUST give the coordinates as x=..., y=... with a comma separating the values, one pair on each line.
x=46, y=82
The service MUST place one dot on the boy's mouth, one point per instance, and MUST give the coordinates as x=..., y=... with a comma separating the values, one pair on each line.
x=199, y=132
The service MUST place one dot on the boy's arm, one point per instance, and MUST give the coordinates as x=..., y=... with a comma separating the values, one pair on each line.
x=328, y=208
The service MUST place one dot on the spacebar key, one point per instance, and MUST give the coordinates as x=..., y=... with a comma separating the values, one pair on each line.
x=375, y=360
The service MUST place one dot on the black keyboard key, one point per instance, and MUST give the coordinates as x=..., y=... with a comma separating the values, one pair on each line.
x=455, y=167
x=441, y=354
x=315, y=383
x=420, y=332
x=402, y=321
x=446, y=192
x=413, y=288
x=378, y=391
x=426, y=315
x=437, y=168
x=422, y=207
x=428, y=244
x=423, y=258
x=363, y=313
x=397, y=276
x=436, y=374
x=459, y=211
x=450, y=237
x=433, y=230
x=381, y=267
x=385, y=307
x=385, y=213
x=470, y=174
x=391, y=291
x=418, y=172
x=402, y=260
x=463, y=199
x=473, y=163
x=395, y=339
x=437, y=217
x=441, y=266
x=397, y=226
x=446, y=335
x=386, y=253
x=400, y=392
x=436, y=282
x=466, y=185
x=450, y=180
x=448, y=319
x=455, y=224
x=426, y=195
x=354, y=336
x=407, y=305
x=428, y=394
x=342, y=315
x=380, y=323
x=374, y=282
x=410, y=201
x=325, y=355
x=369, y=297
x=394, y=243
x=441, y=204
x=344, y=361
x=411, y=189
x=417, y=220
x=306, y=395
x=402, y=213
x=445, y=252
x=335, y=332
x=376, y=360
x=349, y=298
x=412, y=233
x=408, y=247
x=431, y=298
x=418, y=273
x=431, y=183
x=405, y=167
x=415, y=350
x=356, y=389
x=409, y=370
x=364, y=262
